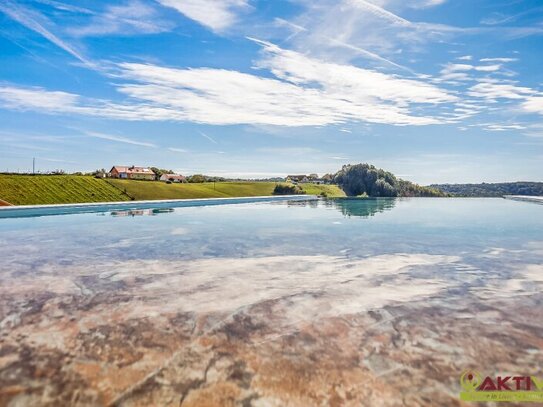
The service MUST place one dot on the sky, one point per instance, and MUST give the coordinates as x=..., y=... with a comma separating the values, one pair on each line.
x=436, y=91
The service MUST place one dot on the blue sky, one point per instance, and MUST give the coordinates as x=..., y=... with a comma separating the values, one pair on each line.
x=433, y=90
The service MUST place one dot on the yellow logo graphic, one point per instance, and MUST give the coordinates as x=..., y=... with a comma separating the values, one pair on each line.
x=470, y=380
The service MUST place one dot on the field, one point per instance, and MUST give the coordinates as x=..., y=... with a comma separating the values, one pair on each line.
x=331, y=191
x=159, y=190
x=57, y=189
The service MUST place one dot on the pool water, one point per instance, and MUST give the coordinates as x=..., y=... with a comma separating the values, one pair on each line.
x=329, y=302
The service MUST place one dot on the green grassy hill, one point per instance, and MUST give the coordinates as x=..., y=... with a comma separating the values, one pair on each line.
x=331, y=191
x=56, y=189
x=141, y=190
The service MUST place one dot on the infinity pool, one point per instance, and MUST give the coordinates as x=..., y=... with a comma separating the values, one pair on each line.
x=347, y=302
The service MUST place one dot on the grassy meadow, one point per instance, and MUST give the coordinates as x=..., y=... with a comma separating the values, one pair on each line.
x=57, y=189
x=140, y=190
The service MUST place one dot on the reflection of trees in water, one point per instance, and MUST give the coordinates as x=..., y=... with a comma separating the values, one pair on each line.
x=363, y=208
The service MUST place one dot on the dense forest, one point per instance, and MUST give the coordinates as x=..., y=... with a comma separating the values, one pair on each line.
x=489, y=190
x=365, y=179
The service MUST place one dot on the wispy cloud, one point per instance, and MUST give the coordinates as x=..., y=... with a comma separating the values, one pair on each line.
x=493, y=90
x=65, y=7
x=216, y=15
x=503, y=126
x=177, y=150
x=304, y=92
x=534, y=104
x=339, y=43
x=36, y=22
x=207, y=137
x=379, y=12
x=497, y=18
x=119, y=139
x=498, y=60
x=56, y=160
x=362, y=24
x=127, y=18
x=457, y=72
x=289, y=151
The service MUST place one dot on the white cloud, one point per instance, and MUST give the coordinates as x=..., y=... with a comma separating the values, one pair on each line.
x=36, y=22
x=216, y=15
x=209, y=138
x=487, y=68
x=177, y=150
x=425, y=3
x=36, y=98
x=130, y=17
x=453, y=72
x=533, y=104
x=465, y=58
x=498, y=59
x=119, y=139
x=304, y=92
x=467, y=67
x=503, y=127
x=65, y=7
x=351, y=81
x=493, y=90
x=329, y=25
x=378, y=12
x=338, y=43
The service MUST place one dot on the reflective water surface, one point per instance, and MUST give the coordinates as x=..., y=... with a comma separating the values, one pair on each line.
x=348, y=302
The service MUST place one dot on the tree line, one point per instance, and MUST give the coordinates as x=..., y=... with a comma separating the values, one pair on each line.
x=367, y=180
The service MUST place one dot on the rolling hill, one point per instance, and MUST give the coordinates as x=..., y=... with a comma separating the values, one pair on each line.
x=56, y=189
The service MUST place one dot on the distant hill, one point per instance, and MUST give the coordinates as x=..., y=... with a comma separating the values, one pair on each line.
x=490, y=190
x=366, y=179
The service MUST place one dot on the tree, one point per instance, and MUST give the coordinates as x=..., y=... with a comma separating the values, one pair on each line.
x=196, y=178
x=286, y=189
x=365, y=179
x=159, y=171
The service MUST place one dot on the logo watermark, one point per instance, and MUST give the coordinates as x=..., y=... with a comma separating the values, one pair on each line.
x=475, y=387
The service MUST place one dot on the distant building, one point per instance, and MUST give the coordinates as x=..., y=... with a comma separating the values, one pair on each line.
x=132, y=172
x=297, y=178
x=312, y=178
x=173, y=178
x=327, y=178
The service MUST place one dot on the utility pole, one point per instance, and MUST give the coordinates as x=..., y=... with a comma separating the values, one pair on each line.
x=33, y=165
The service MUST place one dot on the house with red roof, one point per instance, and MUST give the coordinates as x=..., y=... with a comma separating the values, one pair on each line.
x=133, y=172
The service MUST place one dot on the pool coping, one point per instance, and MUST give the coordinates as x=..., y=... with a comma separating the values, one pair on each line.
x=65, y=209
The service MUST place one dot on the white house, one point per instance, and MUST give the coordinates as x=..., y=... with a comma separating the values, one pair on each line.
x=172, y=178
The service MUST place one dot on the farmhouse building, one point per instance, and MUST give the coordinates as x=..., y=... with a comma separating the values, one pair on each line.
x=132, y=172
x=172, y=178
x=297, y=178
